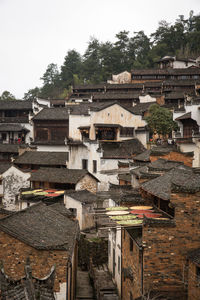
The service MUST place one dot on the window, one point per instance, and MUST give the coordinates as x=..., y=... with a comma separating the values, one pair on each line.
x=127, y=131
x=119, y=267
x=94, y=166
x=84, y=164
x=131, y=244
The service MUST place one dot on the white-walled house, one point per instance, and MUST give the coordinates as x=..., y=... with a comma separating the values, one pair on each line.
x=82, y=203
x=13, y=180
x=188, y=120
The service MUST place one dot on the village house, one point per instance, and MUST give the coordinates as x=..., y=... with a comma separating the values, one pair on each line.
x=15, y=127
x=65, y=179
x=51, y=128
x=193, y=276
x=82, y=203
x=47, y=238
x=154, y=255
x=33, y=160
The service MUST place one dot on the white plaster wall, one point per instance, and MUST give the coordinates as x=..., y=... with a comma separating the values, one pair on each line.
x=196, y=158
x=143, y=137
x=114, y=114
x=146, y=99
x=1, y=189
x=75, y=121
x=61, y=295
x=187, y=147
x=115, y=243
x=182, y=65
x=52, y=148
x=72, y=203
x=13, y=181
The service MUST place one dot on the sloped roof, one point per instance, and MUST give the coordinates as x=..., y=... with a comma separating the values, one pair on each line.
x=42, y=158
x=141, y=108
x=161, y=186
x=144, y=156
x=59, y=175
x=12, y=127
x=122, y=149
x=4, y=167
x=184, y=117
x=41, y=227
x=15, y=104
x=83, y=196
x=27, y=287
x=116, y=96
x=9, y=148
x=53, y=113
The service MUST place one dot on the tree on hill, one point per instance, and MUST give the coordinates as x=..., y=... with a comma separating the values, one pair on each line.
x=6, y=95
x=160, y=121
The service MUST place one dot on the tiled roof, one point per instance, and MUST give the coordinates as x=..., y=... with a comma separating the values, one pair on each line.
x=54, y=113
x=28, y=287
x=15, y=104
x=184, y=71
x=12, y=127
x=59, y=175
x=9, y=148
x=163, y=165
x=83, y=196
x=144, y=156
x=140, y=108
x=4, y=167
x=161, y=186
x=116, y=96
x=41, y=227
x=42, y=158
x=122, y=149
x=184, y=117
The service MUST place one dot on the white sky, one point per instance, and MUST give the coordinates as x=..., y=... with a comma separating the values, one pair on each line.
x=35, y=33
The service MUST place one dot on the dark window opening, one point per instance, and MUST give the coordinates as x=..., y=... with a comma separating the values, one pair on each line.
x=127, y=131
x=84, y=164
x=131, y=244
x=94, y=166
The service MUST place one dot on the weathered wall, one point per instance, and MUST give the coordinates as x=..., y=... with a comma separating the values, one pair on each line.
x=13, y=254
x=87, y=183
x=130, y=259
x=13, y=181
x=193, y=283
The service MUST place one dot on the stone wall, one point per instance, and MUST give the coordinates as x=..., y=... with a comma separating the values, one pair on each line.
x=87, y=183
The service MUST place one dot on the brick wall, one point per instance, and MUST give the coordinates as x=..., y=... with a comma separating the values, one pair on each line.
x=173, y=155
x=193, y=283
x=13, y=254
x=130, y=259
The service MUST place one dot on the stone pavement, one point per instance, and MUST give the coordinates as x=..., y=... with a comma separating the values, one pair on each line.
x=84, y=290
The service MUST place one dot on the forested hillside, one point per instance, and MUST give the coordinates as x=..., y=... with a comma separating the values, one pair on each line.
x=130, y=50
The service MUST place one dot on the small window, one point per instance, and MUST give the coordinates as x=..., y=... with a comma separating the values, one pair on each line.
x=131, y=244
x=119, y=267
x=84, y=164
x=198, y=274
x=127, y=131
x=94, y=166
x=73, y=210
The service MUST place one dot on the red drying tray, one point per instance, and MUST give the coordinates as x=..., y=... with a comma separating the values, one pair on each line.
x=50, y=191
x=148, y=215
x=140, y=211
x=52, y=195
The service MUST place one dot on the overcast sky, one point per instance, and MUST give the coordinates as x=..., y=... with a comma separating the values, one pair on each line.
x=35, y=33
